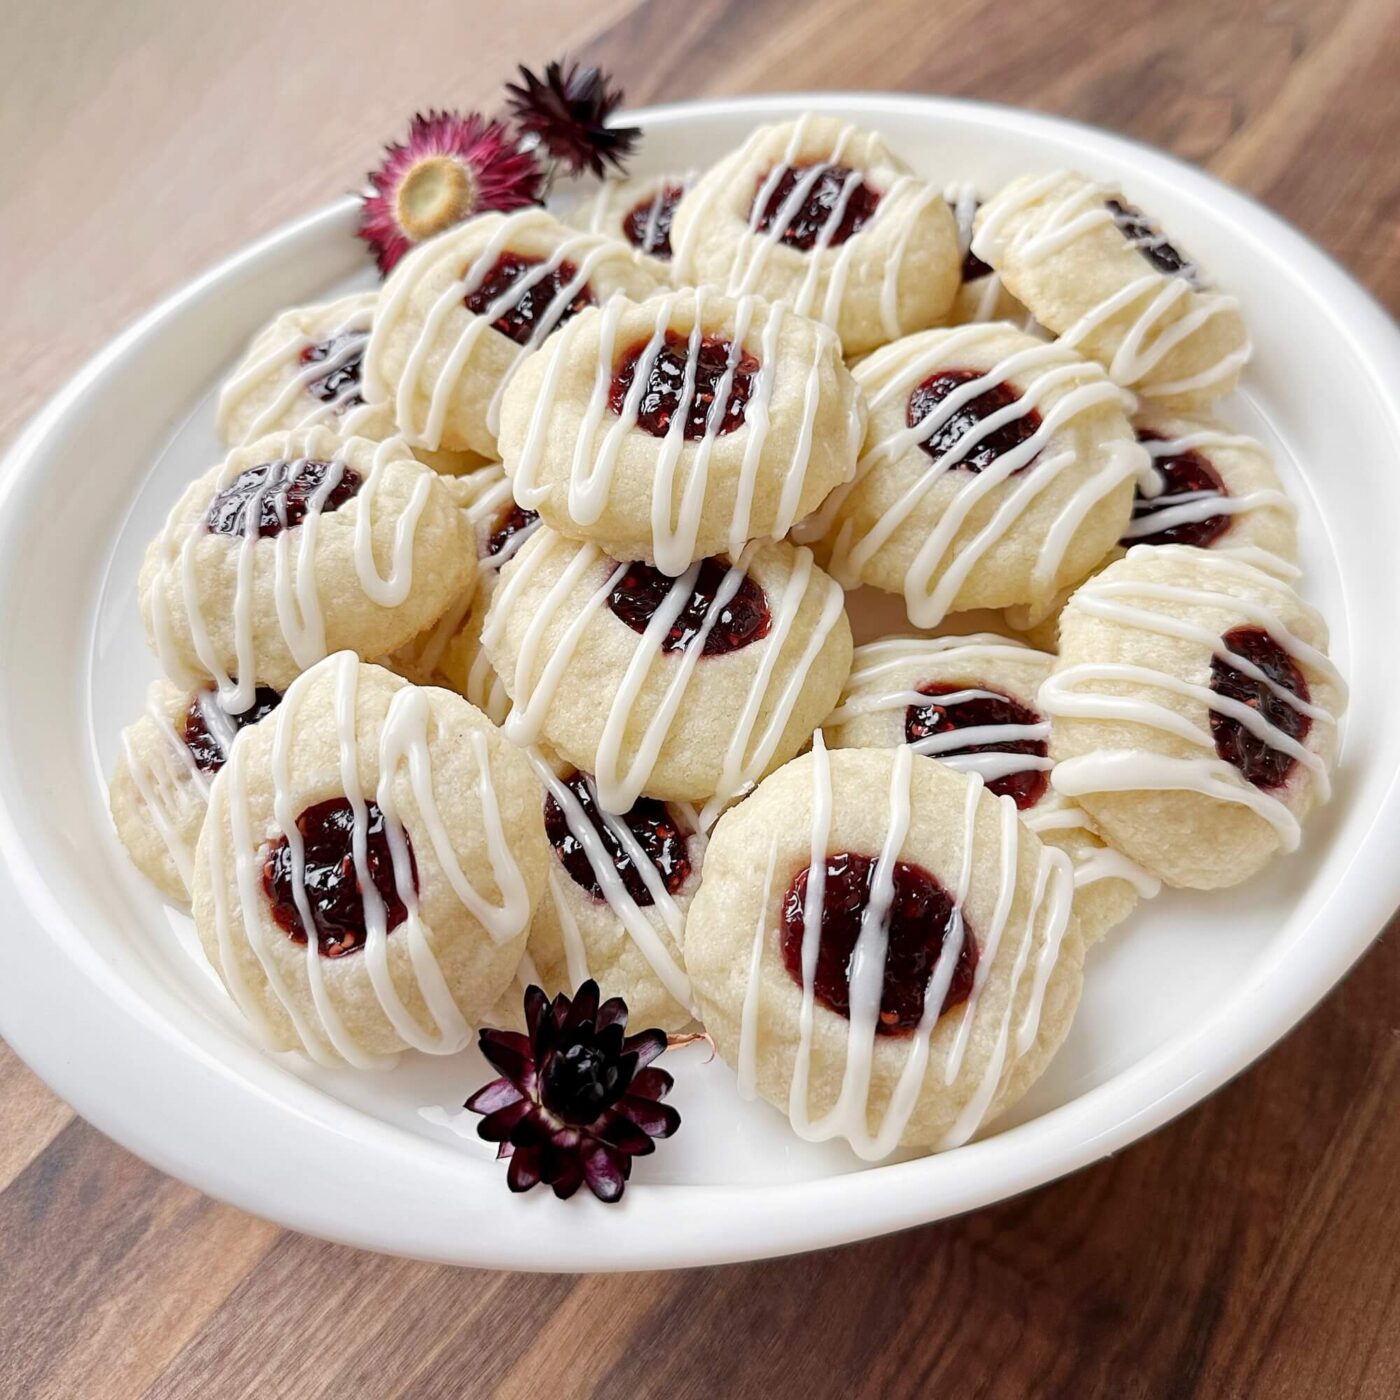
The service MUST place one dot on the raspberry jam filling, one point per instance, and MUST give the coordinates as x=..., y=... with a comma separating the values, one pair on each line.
x=744, y=619
x=648, y=225
x=341, y=383
x=329, y=877
x=1136, y=229
x=828, y=193
x=1184, y=477
x=210, y=747
x=661, y=841
x=1259, y=764
x=921, y=917
x=283, y=493
x=1025, y=787
x=512, y=521
x=666, y=384
x=533, y=302
x=989, y=446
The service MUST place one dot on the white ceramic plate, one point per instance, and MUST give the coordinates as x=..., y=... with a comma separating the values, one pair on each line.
x=101, y=987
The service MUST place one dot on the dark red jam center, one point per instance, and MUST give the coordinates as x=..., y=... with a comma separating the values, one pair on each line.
x=923, y=721
x=987, y=448
x=661, y=841
x=340, y=384
x=509, y=523
x=330, y=880
x=648, y=225
x=533, y=302
x=921, y=916
x=1183, y=474
x=665, y=385
x=1136, y=229
x=744, y=619
x=206, y=746
x=826, y=197
x=282, y=493
x=1260, y=764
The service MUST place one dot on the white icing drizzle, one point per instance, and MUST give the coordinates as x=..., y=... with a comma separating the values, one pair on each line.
x=355, y=315
x=402, y=746
x=1048, y=914
x=1165, y=310
x=1127, y=602
x=904, y=199
x=300, y=613
x=682, y=467
x=937, y=574
x=629, y=913
x=583, y=250
x=536, y=679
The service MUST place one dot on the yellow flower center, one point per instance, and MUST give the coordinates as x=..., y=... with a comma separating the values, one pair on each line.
x=435, y=194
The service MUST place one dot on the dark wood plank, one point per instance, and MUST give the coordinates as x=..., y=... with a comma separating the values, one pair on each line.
x=1246, y=1250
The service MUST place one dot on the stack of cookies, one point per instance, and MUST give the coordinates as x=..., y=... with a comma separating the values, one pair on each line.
x=509, y=641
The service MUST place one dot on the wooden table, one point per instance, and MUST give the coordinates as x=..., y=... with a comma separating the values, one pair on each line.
x=1249, y=1249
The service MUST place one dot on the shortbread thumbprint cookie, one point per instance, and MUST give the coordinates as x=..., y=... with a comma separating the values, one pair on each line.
x=822, y=215
x=1093, y=269
x=615, y=904
x=370, y=862
x=1208, y=487
x=683, y=427
x=637, y=211
x=883, y=950
x=460, y=313
x=299, y=545
x=303, y=369
x=996, y=470
x=1193, y=712
x=971, y=702
x=168, y=759
x=687, y=689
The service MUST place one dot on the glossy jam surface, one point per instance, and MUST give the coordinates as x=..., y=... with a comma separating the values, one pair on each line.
x=512, y=521
x=921, y=916
x=665, y=387
x=647, y=225
x=341, y=383
x=824, y=197
x=1138, y=231
x=1259, y=764
x=280, y=494
x=1182, y=476
x=660, y=840
x=521, y=311
x=329, y=878
x=1028, y=786
x=744, y=619
x=989, y=446
x=209, y=747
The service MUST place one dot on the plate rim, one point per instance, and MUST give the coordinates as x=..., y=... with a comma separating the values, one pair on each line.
x=1170, y=1079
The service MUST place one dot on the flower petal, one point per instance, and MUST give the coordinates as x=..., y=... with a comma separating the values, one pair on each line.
x=606, y=1173
x=497, y=1094
x=524, y=1169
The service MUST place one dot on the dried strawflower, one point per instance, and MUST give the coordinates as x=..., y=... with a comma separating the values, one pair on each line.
x=567, y=112
x=577, y=1099
x=451, y=167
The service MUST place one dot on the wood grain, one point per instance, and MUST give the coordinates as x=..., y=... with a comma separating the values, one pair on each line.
x=1247, y=1250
